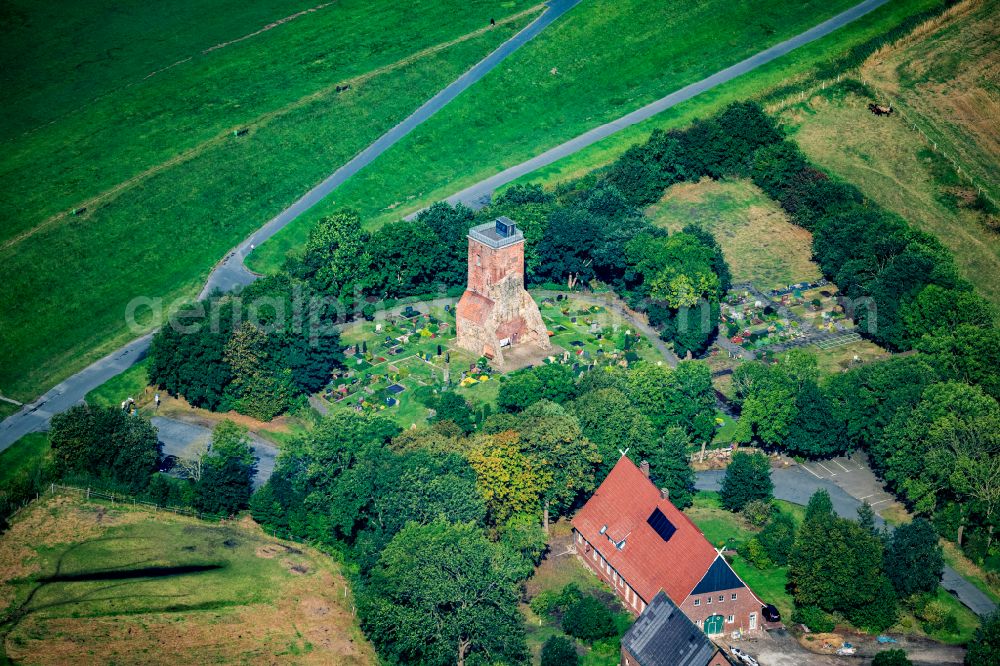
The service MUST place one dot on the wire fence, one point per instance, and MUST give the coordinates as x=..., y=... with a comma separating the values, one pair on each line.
x=911, y=122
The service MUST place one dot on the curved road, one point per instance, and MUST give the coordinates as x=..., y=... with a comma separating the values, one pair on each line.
x=794, y=484
x=231, y=272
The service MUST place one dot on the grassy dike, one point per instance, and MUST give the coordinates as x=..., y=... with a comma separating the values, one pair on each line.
x=396, y=184
x=67, y=285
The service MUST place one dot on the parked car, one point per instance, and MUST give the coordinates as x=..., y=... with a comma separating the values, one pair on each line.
x=743, y=656
x=770, y=613
x=846, y=650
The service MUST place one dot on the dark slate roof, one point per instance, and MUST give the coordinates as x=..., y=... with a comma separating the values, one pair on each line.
x=664, y=636
x=720, y=576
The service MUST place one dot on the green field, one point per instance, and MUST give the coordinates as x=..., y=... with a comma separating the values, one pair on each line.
x=131, y=383
x=111, y=585
x=73, y=299
x=943, y=79
x=893, y=164
x=169, y=189
x=759, y=242
x=25, y=454
x=570, y=79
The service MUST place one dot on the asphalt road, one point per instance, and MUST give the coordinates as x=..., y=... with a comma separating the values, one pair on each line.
x=232, y=273
x=479, y=194
x=797, y=485
x=35, y=416
x=180, y=439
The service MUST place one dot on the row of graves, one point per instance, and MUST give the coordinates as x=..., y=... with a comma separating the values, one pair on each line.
x=793, y=314
x=591, y=334
x=392, y=364
x=385, y=358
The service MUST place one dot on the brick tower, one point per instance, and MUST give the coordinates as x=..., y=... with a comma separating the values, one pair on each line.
x=495, y=311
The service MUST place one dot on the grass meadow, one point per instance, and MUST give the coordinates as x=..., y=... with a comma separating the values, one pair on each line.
x=195, y=190
x=68, y=283
x=94, y=583
x=26, y=454
x=943, y=79
x=892, y=164
x=759, y=242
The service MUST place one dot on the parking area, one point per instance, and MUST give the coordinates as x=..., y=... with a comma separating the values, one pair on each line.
x=854, y=476
x=779, y=648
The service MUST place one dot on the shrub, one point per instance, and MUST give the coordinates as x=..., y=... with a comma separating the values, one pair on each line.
x=986, y=643
x=755, y=554
x=814, y=618
x=757, y=512
x=559, y=651
x=935, y=617
x=778, y=537
x=588, y=620
x=893, y=657
x=544, y=603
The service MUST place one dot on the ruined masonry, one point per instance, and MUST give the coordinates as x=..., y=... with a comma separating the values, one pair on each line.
x=495, y=311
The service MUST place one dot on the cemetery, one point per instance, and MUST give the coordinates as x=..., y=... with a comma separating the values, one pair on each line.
x=394, y=364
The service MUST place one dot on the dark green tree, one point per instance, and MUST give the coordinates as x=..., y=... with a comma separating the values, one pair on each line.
x=894, y=657
x=815, y=431
x=608, y=418
x=588, y=619
x=670, y=466
x=747, y=478
x=866, y=518
x=559, y=651
x=914, y=560
x=837, y=566
x=104, y=443
x=442, y=594
x=451, y=226
x=452, y=407
x=227, y=472
x=985, y=645
x=778, y=537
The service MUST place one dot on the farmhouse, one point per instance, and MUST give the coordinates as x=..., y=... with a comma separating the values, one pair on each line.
x=640, y=544
x=496, y=311
x=665, y=635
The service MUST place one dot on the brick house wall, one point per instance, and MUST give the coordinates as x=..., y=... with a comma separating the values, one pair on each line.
x=742, y=613
x=595, y=561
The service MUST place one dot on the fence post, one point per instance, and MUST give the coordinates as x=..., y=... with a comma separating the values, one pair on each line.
x=88, y=493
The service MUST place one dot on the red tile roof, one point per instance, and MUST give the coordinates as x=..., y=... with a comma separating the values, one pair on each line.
x=623, y=503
